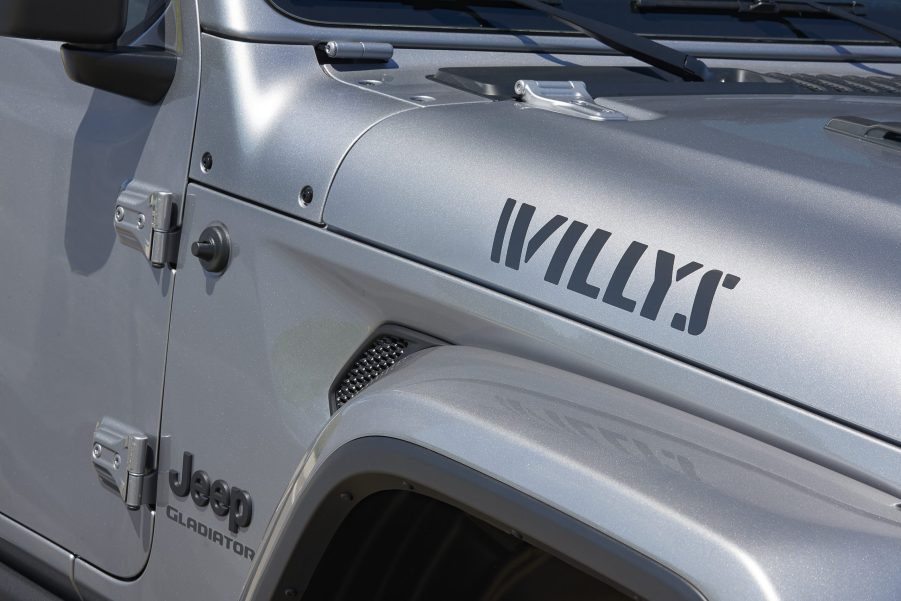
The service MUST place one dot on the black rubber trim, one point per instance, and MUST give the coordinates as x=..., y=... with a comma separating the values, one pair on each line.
x=18, y=568
x=374, y=464
x=141, y=73
x=14, y=585
x=81, y=21
x=497, y=82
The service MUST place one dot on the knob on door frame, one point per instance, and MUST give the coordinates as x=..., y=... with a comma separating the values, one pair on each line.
x=213, y=248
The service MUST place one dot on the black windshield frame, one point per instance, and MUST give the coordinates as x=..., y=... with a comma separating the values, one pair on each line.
x=788, y=30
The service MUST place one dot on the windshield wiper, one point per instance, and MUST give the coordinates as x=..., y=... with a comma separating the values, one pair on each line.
x=849, y=11
x=647, y=51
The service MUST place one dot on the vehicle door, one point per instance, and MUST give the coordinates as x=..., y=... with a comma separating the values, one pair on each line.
x=85, y=312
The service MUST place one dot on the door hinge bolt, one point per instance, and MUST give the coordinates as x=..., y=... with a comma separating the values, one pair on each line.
x=120, y=213
x=96, y=451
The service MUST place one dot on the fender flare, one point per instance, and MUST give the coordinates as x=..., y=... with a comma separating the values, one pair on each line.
x=374, y=464
x=718, y=508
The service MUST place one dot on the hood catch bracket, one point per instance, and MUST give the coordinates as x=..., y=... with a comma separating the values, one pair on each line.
x=565, y=97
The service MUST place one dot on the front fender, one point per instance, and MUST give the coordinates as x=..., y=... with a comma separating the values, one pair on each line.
x=736, y=518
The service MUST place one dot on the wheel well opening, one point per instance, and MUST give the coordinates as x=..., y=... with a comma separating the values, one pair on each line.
x=404, y=546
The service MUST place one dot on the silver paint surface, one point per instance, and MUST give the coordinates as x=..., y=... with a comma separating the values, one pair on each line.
x=274, y=122
x=754, y=186
x=736, y=518
x=254, y=352
x=85, y=317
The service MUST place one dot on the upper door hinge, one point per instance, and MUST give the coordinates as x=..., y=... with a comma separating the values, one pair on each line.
x=123, y=459
x=149, y=221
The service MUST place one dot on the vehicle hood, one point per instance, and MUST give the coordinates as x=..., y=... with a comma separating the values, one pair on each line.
x=733, y=233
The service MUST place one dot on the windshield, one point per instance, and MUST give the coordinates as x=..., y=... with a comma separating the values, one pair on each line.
x=488, y=15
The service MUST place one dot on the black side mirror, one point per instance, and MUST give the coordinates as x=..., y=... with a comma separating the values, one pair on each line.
x=141, y=73
x=76, y=21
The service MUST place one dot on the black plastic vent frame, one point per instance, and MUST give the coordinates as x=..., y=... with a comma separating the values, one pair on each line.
x=388, y=347
x=874, y=85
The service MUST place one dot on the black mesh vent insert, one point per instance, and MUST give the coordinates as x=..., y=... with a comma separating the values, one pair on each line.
x=381, y=354
x=844, y=84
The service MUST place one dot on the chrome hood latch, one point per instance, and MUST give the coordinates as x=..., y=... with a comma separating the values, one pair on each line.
x=565, y=97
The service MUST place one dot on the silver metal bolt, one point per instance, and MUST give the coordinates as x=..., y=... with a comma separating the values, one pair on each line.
x=96, y=450
x=141, y=221
x=120, y=213
x=116, y=461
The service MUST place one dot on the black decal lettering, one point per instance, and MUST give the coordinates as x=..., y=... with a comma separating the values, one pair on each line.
x=192, y=524
x=200, y=488
x=663, y=279
x=678, y=322
x=542, y=235
x=171, y=513
x=687, y=269
x=228, y=542
x=181, y=519
x=501, y=231
x=564, y=251
x=240, y=511
x=700, y=310
x=249, y=553
x=181, y=483
x=217, y=537
x=202, y=529
x=518, y=235
x=238, y=548
x=220, y=497
x=578, y=281
x=730, y=281
x=521, y=229
x=614, y=293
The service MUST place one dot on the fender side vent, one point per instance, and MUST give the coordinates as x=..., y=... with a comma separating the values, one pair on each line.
x=390, y=345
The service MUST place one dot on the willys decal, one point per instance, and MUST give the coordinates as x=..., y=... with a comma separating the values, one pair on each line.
x=665, y=271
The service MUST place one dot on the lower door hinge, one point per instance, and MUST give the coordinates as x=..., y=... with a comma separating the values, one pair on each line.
x=149, y=221
x=123, y=459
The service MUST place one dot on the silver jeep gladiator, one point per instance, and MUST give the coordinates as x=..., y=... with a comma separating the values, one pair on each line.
x=450, y=300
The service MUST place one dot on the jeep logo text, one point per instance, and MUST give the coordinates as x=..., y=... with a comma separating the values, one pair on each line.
x=222, y=499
